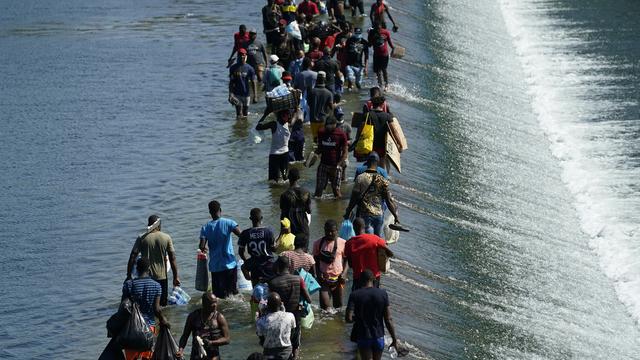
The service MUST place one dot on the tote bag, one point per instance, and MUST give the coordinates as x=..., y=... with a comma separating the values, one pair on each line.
x=365, y=142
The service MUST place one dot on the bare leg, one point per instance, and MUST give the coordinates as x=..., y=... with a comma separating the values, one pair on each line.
x=324, y=299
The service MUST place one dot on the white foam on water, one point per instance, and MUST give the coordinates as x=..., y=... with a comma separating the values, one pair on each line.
x=572, y=97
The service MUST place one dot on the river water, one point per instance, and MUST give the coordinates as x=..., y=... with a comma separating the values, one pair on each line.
x=520, y=184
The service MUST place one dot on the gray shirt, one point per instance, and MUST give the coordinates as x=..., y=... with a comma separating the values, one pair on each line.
x=305, y=80
x=320, y=101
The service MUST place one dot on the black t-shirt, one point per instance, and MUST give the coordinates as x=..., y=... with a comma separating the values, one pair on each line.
x=380, y=120
x=368, y=305
x=357, y=48
x=330, y=67
x=259, y=241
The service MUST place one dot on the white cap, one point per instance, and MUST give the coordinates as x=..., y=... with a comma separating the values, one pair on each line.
x=274, y=58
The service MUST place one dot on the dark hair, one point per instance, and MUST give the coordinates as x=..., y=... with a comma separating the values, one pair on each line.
x=330, y=224
x=142, y=265
x=242, y=27
x=358, y=225
x=378, y=100
x=336, y=98
x=366, y=276
x=256, y=213
x=214, y=207
x=282, y=263
x=152, y=219
x=294, y=174
x=374, y=91
x=306, y=63
x=301, y=241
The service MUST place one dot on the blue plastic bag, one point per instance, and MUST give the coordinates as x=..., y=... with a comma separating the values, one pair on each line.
x=346, y=230
x=309, y=281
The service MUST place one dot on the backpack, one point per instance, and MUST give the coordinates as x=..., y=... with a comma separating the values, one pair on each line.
x=273, y=78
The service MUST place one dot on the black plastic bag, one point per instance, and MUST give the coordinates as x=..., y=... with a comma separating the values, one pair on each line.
x=166, y=347
x=136, y=333
x=117, y=321
x=112, y=352
x=202, y=272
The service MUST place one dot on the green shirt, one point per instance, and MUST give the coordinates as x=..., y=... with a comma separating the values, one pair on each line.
x=155, y=247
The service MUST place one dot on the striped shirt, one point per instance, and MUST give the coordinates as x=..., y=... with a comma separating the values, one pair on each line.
x=144, y=291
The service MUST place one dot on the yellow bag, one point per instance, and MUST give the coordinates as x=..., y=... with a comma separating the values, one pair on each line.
x=365, y=142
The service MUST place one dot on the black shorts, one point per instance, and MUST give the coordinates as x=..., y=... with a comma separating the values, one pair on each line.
x=278, y=166
x=380, y=63
x=259, y=268
x=225, y=282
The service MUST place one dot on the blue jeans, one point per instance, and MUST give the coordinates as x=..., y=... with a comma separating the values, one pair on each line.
x=354, y=74
x=373, y=224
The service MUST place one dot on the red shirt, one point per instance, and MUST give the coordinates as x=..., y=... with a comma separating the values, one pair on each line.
x=362, y=253
x=380, y=42
x=315, y=54
x=331, y=146
x=330, y=40
x=239, y=41
x=308, y=8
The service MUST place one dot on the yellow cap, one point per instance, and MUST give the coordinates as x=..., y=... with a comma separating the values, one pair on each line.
x=285, y=223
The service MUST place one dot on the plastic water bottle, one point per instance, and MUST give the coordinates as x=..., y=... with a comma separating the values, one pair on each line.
x=393, y=353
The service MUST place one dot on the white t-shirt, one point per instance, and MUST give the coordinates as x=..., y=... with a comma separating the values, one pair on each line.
x=276, y=328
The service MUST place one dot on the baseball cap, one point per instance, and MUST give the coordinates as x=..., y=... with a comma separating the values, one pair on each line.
x=274, y=58
x=283, y=22
x=286, y=76
x=242, y=51
x=253, y=31
x=286, y=223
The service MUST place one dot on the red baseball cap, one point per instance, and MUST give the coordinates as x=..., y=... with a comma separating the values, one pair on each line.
x=242, y=51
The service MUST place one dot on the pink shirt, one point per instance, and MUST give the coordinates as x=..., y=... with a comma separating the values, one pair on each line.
x=335, y=268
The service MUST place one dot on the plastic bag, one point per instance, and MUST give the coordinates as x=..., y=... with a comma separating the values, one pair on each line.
x=136, y=333
x=166, y=347
x=178, y=297
x=346, y=230
x=391, y=236
x=112, y=351
x=307, y=321
x=244, y=285
x=202, y=272
x=309, y=281
x=117, y=321
x=198, y=352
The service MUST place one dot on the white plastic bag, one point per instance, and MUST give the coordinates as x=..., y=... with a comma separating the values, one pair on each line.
x=391, y=236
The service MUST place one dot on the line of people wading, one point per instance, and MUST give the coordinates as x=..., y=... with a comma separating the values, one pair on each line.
x=309, y=57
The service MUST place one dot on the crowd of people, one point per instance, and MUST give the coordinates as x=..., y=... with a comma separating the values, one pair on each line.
x=316, y=60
